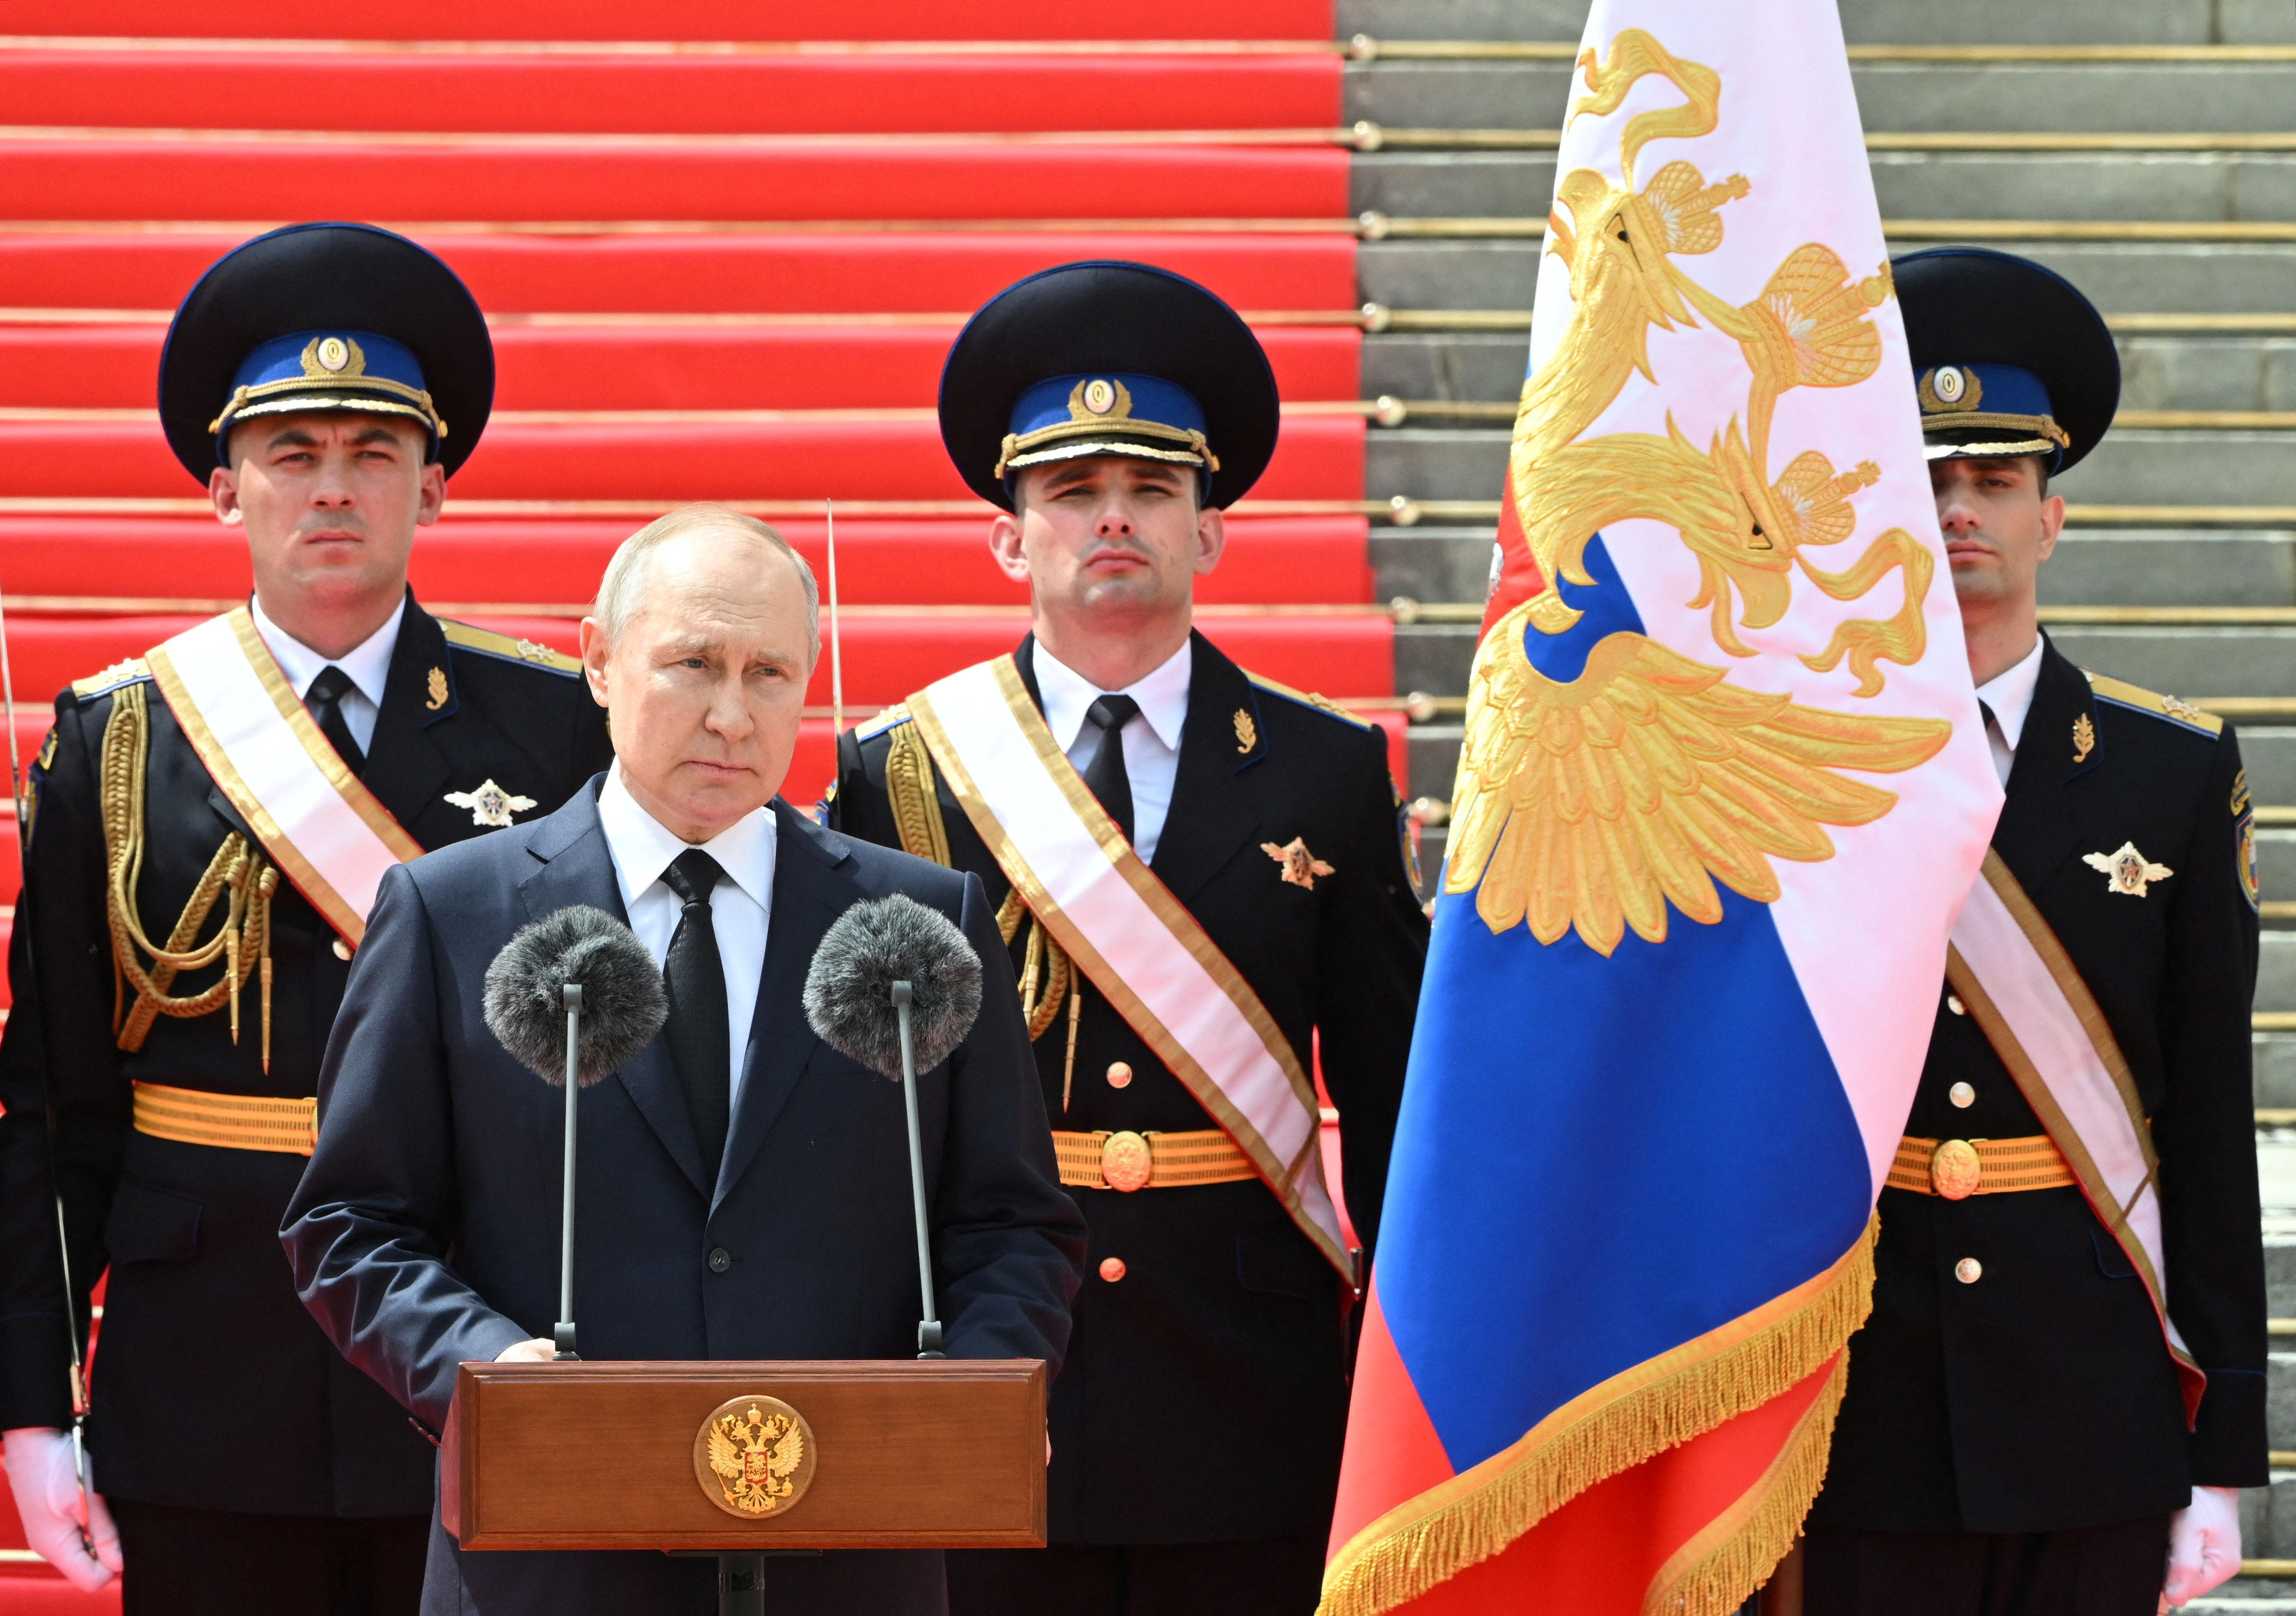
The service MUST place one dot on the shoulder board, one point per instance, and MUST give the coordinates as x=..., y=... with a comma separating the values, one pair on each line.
x=1309, y=699
x=486, y=641
x=2176, y=710
x=892, y=717
x=132, y=672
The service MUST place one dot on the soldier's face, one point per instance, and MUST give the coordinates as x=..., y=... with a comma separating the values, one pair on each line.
x=1997, y=528
x=330, y=502
x=706, y=683
x=1107, y=539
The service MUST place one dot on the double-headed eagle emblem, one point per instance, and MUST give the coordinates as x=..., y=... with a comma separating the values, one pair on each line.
x=756, y=1456
x=1590, y=804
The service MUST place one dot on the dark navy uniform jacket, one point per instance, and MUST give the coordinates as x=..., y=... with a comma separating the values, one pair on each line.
x=2040, y=1396
x=426, y=1231
x=1205, y=1395
x=213, y=1389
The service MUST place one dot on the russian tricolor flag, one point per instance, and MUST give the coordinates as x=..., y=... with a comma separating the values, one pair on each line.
x=1723, y=790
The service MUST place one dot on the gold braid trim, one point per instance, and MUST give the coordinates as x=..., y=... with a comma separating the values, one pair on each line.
x=243, y=939
x=1614, y=1426
x=1736, y=1552
x=910, y=792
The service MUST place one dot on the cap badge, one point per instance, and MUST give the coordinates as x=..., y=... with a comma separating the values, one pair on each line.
x=2126, y=870
x=328, y=357
x=1950, y=387
x=490, y=804
x=2084, y=738
x=1300, y=867
x=1099, y=396
x=1247, y=732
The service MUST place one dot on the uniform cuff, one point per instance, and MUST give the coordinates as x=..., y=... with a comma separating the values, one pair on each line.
x=35, y=1372
x=2229, y=1439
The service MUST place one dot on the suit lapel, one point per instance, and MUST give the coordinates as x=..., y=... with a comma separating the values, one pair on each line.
x=810, y=891
x=2039, y=829
x=578, y=868
x=404, y=768
x=1210, y=818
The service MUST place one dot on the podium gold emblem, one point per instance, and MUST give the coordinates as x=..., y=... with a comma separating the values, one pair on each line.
x=754, y=1456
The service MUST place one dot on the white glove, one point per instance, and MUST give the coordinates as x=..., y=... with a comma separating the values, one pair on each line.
x=2203, y=1543
x=40, y=1462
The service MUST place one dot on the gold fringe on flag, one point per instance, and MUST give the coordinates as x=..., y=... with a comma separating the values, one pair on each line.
x=1612, y=1427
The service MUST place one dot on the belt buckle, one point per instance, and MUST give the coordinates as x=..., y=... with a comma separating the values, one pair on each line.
x=1955, y=1170
x=1126, y=1161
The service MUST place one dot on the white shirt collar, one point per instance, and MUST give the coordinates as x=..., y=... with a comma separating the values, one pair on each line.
x=643, y=847
x=1162, y=695
x=367, y=663
x=2009, y=693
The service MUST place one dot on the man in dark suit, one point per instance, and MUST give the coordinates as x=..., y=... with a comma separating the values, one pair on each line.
x=2025, y=1431
x=236, y=792
x=756, y=1207
x=1113, y=411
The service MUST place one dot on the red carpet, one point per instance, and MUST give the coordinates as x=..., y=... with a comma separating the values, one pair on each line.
x=638, y=367
x=699, y=20
x=159, y=176
x=711, y=94
x=1268, y=559
x=1316, y=458
x=721, y=273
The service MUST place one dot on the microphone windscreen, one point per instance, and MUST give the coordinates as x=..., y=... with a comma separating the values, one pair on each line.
x=848, y=990
x=623, y=1002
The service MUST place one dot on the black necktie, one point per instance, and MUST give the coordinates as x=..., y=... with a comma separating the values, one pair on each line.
x=700, y=1041
x=1106, y=775
x=325, y=700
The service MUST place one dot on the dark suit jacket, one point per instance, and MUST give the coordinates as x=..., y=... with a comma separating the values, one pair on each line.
x=425, y=1231
x=215, y=1390
x=1205, y=1395
x=2041, y=1396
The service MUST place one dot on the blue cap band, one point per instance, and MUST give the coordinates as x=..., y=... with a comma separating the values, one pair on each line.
x=1106, y=413
x=1991, y=410
x=321, y=370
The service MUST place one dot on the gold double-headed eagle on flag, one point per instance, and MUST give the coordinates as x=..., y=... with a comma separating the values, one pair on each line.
x=1591, y=803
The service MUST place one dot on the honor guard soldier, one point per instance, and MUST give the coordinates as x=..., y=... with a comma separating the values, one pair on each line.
x=1199, y=871
x=2062, y=1382
x=208, y=826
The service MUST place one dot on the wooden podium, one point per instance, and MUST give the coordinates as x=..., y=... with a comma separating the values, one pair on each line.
x=746, y=1459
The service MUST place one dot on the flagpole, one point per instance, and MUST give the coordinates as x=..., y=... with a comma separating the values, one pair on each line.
x=18, y=787
x=836, y=645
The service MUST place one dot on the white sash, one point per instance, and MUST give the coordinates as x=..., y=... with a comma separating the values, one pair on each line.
x=326, y=832
x=1124, y=929
x=2014, y=977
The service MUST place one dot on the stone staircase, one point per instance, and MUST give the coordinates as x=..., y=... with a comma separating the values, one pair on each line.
x=2144, y=148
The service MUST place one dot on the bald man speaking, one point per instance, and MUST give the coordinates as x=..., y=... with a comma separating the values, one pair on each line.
x=744, y=1191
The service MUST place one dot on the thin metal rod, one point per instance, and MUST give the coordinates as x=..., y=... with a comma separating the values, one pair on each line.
x=929, y=1330
x=836, y=642
x=18, y=789
x=564, y=1332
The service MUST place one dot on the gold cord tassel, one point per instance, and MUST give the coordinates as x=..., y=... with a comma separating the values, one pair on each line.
x=1068, y=1068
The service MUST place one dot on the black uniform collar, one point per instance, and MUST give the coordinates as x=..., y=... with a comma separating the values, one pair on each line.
x=2061, y=741
x=405, y=767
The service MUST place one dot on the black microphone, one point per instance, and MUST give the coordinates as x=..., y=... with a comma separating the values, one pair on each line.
x=574, y=996
x=896, y=987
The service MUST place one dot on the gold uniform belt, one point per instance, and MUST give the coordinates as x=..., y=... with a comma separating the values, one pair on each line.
x=1958, y=1169
x=246, y=1122
x=1128, y=1161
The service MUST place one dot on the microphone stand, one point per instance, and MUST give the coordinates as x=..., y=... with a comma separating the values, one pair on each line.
x=929, y=1329
x=564, y=1332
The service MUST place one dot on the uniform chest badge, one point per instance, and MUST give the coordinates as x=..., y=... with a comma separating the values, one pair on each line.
x=493, y=805
x=2127, y=870
x=1300, y=867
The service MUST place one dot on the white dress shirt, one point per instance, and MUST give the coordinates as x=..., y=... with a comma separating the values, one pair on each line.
x=741, y=904
x=2009, y=693
x=1151, y=741
x=367, y=664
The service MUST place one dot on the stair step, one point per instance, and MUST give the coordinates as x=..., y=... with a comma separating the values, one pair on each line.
x=1316, y=458
x=721, y=272
x=1862, y=21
